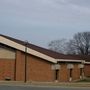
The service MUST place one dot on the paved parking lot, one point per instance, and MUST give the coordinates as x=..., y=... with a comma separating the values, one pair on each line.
x=4, y=87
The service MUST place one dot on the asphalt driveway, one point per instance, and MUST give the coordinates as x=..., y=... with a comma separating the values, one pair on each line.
x=4, y=87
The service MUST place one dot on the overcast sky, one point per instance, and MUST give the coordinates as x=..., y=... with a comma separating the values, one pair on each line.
x=40, y=21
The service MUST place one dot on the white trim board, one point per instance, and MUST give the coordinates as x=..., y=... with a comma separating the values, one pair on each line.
x=87, y=62
x=68, y=60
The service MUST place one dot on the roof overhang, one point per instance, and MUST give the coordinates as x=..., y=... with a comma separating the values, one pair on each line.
x=68, y=60
x=87, y=62
x=20, y=47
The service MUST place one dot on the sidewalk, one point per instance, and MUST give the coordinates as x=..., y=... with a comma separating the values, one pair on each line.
x=47, y=84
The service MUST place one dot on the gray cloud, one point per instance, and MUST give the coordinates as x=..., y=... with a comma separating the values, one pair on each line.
x=57, y=15
x=83, y=3
x=52, y=11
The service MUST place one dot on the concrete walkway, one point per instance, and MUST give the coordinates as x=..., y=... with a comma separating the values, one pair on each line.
x=15, y=83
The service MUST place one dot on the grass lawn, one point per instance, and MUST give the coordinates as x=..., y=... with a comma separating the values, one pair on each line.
x=85, y=80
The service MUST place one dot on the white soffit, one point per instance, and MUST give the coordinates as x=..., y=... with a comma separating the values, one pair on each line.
x=68, y=60
x=13, y=44
x=87, y=62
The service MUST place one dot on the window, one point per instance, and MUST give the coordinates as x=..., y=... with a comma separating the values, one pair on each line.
x=56, y=74
x=71, y=73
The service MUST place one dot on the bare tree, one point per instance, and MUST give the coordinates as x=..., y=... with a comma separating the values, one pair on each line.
x=58, y=45
x=80, y=44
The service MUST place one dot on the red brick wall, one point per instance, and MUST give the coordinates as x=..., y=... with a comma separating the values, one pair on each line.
x=63, y=73
x=37, y=69
x=76, y=72
x=87, y=70
x=6, y=69
x=20, y=66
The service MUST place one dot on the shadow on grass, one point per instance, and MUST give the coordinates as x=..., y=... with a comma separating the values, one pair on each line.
x=85, y=80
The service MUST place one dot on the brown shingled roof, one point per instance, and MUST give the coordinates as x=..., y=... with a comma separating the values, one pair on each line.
x=83, y=57
x=48, y=52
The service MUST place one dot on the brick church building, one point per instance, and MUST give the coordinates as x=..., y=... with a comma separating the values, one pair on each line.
x=22, y=61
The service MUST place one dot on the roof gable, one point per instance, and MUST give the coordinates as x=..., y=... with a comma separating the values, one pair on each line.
x=39, y=51
x=17, y=44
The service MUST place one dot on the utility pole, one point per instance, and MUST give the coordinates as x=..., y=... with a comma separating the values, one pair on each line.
x=25, y=79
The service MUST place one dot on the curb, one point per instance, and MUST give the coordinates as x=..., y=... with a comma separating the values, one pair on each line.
x=48, y=84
